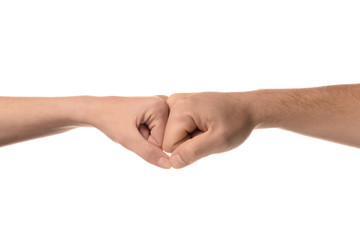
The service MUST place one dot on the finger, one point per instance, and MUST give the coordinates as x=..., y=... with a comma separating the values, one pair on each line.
x=177, y=131
x=157, y=133
x=174, y=97
x=157, y=126
x=163, y=97
x=144, y=131
x=148, y=151
x=194, y=149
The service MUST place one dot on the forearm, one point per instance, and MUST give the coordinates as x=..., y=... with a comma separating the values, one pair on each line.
x=331, y=113
x=23, y=118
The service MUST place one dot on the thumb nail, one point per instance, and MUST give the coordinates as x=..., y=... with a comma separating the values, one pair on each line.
x=177, y=162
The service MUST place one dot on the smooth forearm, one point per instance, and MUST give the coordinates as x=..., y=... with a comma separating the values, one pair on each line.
x=23, y=118
x=137, y=123
x=331, y=113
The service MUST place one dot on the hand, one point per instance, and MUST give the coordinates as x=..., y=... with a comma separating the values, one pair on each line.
x=137, y=123
x=201, y=124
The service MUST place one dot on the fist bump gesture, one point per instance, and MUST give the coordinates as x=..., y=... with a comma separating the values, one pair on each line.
x=188, y=125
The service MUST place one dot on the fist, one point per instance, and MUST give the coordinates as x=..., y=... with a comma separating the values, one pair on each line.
x=201, y=124
x=137, y=123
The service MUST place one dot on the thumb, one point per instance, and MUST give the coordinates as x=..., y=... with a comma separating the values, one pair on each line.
x=193, y=149
x=148, y=151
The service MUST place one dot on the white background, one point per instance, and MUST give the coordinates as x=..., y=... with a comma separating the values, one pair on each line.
x=81, y=185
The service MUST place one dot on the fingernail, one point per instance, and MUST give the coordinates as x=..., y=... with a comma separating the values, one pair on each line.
x=178, y=162
x=164, y=163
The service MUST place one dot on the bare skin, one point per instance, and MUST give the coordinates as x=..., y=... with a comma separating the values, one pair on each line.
x=201, y=124
x=137, y=123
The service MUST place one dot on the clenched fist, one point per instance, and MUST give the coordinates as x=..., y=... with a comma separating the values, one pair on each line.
x=201, y=124
x=137, y=123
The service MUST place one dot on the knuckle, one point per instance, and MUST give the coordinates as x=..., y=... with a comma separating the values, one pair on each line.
x=178, y=99
x=182, y=106
x=175, y=96
x=172, y=98
x=159, y=104
x=184, y=101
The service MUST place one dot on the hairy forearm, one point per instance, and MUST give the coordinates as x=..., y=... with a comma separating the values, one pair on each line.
x=331, y=113
x=24, y=118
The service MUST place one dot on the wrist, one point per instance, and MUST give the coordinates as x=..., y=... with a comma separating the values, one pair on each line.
x=93, y=111
x=81, y=110
x=261, y=107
